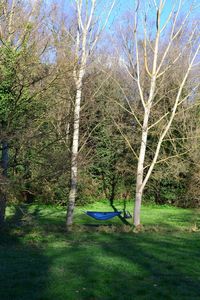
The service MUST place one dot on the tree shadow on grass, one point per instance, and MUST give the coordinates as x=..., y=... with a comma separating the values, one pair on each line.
x=107, y=223
x=166, y=266
x=123, y=219
x=105, y=266
x=30, y=218
x=98, y=266
x=23, y=267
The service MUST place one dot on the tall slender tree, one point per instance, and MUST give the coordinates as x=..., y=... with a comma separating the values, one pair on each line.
x=153, y=64
x=89, y=30
x=154, y=54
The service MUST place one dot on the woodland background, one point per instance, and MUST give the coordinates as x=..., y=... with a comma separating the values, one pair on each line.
x=37, y=93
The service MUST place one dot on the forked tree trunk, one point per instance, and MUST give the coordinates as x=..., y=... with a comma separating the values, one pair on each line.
x=153, y=63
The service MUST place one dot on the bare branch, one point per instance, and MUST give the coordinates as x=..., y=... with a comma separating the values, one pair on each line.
x=170, y=120
x=126, y=139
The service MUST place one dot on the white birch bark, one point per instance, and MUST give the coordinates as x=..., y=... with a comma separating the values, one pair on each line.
x=74, y=158
x=77, y=107
x=84, y=47
x=147, y=109
x=154, y=74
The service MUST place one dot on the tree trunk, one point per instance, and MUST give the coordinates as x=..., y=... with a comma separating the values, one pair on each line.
x=139, y=192
x=88, y=33
x=140, y=170
x=113, y=189
x=3, y=196
x=137, y=210
x=74, y=159
x=2, y=208
x=4, y=161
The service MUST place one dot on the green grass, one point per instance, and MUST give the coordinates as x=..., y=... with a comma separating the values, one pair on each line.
x=39, y=260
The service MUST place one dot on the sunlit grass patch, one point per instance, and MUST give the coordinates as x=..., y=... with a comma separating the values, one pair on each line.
x=40, y=260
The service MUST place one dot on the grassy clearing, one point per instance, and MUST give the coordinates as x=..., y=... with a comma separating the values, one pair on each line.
x=38, y=260
x=153, y=217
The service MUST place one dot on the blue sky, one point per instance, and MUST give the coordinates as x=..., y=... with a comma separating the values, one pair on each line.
x=123, y=6
x=128, y=5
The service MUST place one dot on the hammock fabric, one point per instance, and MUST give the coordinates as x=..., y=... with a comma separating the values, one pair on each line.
x=103, y=215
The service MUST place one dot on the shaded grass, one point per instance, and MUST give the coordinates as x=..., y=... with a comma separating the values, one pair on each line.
x=38, y=260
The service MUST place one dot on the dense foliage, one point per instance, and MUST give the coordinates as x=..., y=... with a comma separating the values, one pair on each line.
x=36, y=113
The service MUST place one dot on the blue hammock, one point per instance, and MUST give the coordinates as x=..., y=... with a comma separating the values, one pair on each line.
x=103, y=215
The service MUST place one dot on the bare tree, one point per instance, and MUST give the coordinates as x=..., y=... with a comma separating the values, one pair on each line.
x=89, y=30
x=152, y=61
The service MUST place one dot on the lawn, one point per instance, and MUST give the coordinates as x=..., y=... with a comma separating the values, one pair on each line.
x=39, y=260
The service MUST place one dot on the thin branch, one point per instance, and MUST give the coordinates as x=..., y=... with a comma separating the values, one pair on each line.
x=170, y=120
x=127, y=100
x=167, y=158
x=126, y=139
x=89, y=135
x=158, y=121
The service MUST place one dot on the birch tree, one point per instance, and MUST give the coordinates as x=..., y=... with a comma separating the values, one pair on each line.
x=89, y=30
x=155, y=59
